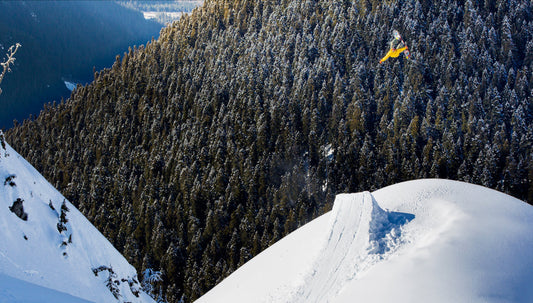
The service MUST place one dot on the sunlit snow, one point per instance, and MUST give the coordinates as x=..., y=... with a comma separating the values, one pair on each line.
x=70, y=85
x=154, y=15
x=419, y=241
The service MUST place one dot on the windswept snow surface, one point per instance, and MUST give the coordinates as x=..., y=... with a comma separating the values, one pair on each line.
x=77, y=260
x=17, y=291
x=418, y=241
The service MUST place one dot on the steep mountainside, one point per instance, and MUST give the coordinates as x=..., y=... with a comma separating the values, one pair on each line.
x=245, y=118
x=49, y=251
x=62, y=41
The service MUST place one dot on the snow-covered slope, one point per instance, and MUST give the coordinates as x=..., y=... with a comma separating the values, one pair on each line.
x=418, y=241
x=48, y=250
x=13, y=290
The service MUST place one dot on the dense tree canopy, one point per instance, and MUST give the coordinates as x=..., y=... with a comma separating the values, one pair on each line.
x=243, y=120
x=61, y=41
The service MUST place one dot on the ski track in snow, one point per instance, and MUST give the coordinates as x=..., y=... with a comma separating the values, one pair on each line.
x=361, y=235
x=428, y=240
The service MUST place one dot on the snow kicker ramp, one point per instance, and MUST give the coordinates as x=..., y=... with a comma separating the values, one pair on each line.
x=314, y=263
x=361, y=234
x=418, y=241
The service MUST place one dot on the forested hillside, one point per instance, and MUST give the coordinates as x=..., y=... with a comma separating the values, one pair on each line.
x=62, y=41
x=244, y=119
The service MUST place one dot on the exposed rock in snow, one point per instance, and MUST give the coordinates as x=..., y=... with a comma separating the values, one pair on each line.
x=50, y=248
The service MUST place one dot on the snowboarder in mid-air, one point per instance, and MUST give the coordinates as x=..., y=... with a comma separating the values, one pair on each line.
x=397, y=46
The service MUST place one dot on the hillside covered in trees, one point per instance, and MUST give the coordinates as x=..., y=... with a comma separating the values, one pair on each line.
x=62, y=41
x=244, y=119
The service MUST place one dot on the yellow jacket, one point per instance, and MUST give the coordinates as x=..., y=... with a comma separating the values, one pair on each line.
x=393, y=52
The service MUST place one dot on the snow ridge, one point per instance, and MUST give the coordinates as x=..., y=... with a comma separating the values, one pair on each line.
x=49, y=246
x=361, y=235
x=420, y=241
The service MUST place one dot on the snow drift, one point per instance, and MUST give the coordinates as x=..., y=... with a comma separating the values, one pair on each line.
x=49, y=252
x=418, y=241
x=354, y=244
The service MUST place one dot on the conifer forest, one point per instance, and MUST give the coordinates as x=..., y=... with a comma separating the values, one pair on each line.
x=61, y=41
x=198, y=150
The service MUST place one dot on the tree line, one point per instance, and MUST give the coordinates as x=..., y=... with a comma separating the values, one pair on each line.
x=242, y=122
